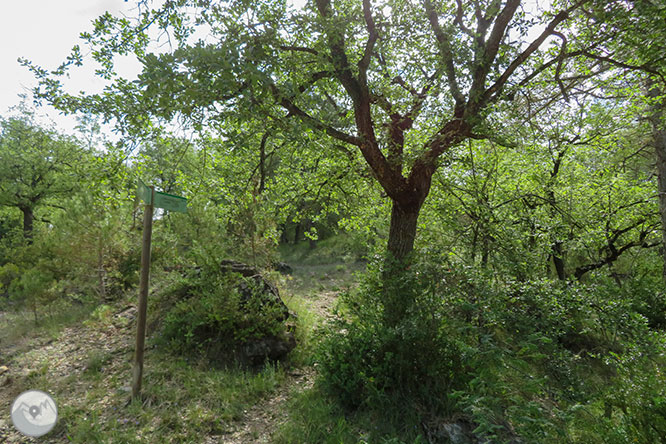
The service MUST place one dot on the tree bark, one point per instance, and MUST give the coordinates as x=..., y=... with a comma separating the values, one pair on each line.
x=659, y=141
x=558, y=261
x=402, y=232
x=28, y=220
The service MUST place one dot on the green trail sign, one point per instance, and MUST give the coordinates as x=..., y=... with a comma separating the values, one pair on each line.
x=162, y=200
x=170, y=202
x=144, y=192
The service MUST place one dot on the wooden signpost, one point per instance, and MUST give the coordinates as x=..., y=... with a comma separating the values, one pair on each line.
x=168, y=202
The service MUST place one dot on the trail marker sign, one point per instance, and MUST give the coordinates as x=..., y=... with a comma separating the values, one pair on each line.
x=168, y=202
x=162, y=200
x=144, y=193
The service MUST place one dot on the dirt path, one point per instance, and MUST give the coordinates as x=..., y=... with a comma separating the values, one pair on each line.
x=263, y=419
x=31, y=363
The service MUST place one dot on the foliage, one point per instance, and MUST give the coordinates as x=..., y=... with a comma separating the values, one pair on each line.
x=392, y=347
x=547, y=359
x=529, y=162
x=32, y=288
x=539, y=360
x=36, y=165
x=208, y=314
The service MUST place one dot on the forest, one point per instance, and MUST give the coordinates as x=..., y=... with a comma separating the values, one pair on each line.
x=407, y=222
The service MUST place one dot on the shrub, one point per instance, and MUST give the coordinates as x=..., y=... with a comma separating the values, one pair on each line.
x=392, y=347
x=539, y=361
x=209, y=315
x=32, y=289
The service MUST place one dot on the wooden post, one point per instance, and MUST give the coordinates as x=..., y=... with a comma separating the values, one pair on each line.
x=137, y=370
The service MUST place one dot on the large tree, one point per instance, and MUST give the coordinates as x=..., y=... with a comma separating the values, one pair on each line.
x=400, y=81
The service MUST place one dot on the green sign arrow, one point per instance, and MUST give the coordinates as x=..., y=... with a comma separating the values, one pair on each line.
x=170, y=202
x=143, y=192
x=162, y=200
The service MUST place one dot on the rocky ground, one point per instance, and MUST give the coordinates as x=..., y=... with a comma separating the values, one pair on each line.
x=62, y=361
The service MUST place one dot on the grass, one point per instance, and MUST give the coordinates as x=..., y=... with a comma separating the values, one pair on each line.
x=313, y=418
x=183, y=401
x=16, y=327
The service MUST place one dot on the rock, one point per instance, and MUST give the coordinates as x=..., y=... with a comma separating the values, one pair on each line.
x=450, y=432
x=125, y=317
x=257, y=351
x=254, y=285
x=3, y=369
x=283, y=268
x=238, y=267
x=258, y=286
x=455, y=433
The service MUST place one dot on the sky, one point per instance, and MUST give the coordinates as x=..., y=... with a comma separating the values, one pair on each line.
x=44, y=31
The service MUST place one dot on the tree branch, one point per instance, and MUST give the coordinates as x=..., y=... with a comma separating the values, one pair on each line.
x=492, y=93
x=560, y=61
x=370, y=44
x=644, y=67
x=487, y=56
x=314, y=123
x=446, y=54
x=298, y=49
x=336, y=44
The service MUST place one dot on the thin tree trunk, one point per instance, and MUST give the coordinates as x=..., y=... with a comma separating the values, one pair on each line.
x=556, y=254
x=297, y=232
x=100, y=266
x=262, y=163
x=659, y=141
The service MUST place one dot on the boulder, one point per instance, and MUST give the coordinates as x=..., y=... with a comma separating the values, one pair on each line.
x=232, y=266
x=253, y=284
x=283, y=268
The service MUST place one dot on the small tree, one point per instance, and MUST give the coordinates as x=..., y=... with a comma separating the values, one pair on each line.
x=36, y=165
x=32, y=288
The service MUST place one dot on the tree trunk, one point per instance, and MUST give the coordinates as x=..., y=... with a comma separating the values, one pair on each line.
x=262, y=163
x=557, y=255
x=403, y=230
x=100, y=266
x=28, y=219
x=659, y=141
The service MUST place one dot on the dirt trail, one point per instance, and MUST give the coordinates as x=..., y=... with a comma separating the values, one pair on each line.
x=66, y=358
x=263, y=419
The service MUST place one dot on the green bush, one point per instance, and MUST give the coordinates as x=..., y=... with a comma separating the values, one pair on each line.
x=392, y=348
x=554, y=362
x=208, y=314
x=541, y=361
x=32, y=289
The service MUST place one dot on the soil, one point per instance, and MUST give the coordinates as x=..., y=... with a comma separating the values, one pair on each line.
x=66, y=359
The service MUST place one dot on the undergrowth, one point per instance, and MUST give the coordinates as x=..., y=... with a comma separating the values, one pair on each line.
x=424, y=349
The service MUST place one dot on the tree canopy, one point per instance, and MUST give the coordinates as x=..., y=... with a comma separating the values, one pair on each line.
x=401, y=82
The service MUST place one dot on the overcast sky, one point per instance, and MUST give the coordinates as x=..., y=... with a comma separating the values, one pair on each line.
x=44, y=31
